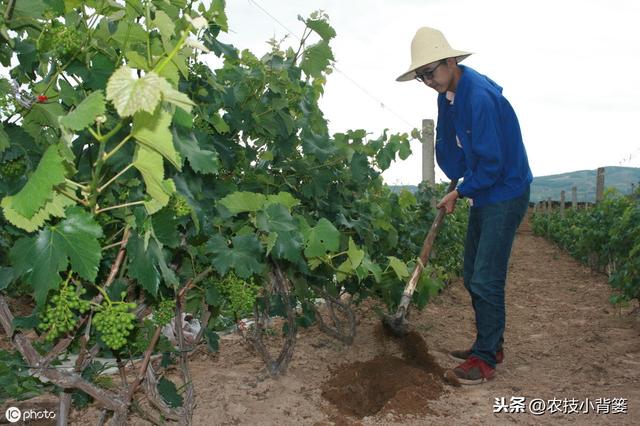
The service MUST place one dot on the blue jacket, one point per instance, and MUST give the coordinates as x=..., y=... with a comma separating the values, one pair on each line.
x=492, y=160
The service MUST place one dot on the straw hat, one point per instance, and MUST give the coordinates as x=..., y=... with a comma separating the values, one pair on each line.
x=429, y=45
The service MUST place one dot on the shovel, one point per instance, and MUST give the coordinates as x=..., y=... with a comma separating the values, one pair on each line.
x=397, y=324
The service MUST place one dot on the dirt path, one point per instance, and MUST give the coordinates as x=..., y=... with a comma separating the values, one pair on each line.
x=563, y=341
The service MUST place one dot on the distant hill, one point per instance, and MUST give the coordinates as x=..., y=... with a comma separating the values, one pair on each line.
x=543, y=187
x=619, y=178
x=398, y=188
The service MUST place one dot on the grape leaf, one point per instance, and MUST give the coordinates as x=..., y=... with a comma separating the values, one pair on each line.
x=316, y=58
x=55, y=207
x=398, y=266
x=289, y=243
x=129, y=33
x=152, y=131
x=271, y=241
x=275, y=218
x=406, y=199
x=169, y=393
x=34, y=9
x=41, y=115
x=212, y=340
x=164, y=24
x=85, y=114
x=368, y=266
x=78, y=237
x=355, y=255
x=219, y=15
x=38, y=189
x=243, y=257
x=40, y=258
x=344, y=270
x=242, y=201
x=219, y=124
x=165, y=227
x=130, y=95
x=322, y=28
x=283, y=198
x=102, y=67
x=183, y=119
x=171, y=95
x=289, y=246
x=149, y=163
x=201, y=160
x=147, y=264
x=317, y=144
x=322, y=238
x=137, y=60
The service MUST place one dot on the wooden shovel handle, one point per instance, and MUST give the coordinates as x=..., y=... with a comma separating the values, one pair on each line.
x=425, y=252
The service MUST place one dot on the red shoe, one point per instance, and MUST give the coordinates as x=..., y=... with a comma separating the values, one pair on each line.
x=464, y=355
x=474, y=371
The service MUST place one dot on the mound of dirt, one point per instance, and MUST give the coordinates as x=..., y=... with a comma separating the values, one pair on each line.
x=386, y=383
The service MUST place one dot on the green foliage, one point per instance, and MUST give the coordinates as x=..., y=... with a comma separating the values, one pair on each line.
x=73, y=241
x=16, y=381
x=243, y=255
x=605, y=236
x=169, y=393
x=86, y=112
x=38, y=190
x=118, y=128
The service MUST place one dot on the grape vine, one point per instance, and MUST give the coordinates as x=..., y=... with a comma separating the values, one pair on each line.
x=130, y=168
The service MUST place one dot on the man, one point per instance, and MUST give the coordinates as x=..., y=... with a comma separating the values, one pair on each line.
x=478, y=139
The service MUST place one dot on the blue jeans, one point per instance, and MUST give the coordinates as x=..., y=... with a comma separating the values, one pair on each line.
x=490, y=235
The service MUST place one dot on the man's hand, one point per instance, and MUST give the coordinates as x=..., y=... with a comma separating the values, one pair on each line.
x=449, y=201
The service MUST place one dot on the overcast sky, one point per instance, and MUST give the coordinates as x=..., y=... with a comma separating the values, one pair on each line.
x=569, y=68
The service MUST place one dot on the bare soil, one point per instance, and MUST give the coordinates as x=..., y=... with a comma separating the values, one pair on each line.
x=563, y=341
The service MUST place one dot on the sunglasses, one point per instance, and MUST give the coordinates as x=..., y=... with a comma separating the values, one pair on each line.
x=428, y=74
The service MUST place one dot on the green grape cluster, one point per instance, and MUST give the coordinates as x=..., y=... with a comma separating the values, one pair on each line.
x=114, y=322
x=180, y=206
x=13, y=168
x=59, y=317
x=163, y=314
x=61, y=40
x=240, y=294
x=201, y=124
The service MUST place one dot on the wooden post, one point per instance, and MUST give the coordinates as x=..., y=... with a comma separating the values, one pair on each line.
x=574, y=197
x=561, y=203
x=549, y=205
x=428, y=164
x=600, y=185
x=428, y=155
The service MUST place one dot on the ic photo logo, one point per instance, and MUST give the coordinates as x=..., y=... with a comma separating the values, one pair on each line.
x=13, y=414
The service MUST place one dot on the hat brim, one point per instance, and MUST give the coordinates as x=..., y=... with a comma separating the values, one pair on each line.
x=411, y=73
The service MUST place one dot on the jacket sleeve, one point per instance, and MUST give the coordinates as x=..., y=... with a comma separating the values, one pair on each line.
x=449, y=155
x=485, y=145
